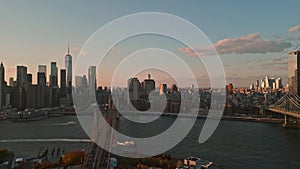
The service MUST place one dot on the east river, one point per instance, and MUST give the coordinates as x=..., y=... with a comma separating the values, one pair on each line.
x=235, y=144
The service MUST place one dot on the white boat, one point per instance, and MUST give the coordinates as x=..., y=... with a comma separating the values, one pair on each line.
x=126, y=143
x=71, y=123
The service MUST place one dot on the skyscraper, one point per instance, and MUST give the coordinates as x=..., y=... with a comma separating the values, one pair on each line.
x=78, y=82
x=11, y=82
x=21, y=76
x=230, y=88
x=53, y=76
x=84, y=81
x=174, y=89
x=257, y=84
x=29, y=78
x=134, y=88
x=149, y=84
x=294, y=73
x=267, y=82
x=41, y=79
x=2, y=73
x=163, y=89
x=92, y=81
x=278, y=83
x=262, y=83
x=63, y=86
x=43, y=69
x=68, y=67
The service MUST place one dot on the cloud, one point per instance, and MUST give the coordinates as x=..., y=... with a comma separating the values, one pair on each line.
x=294, y=29
x=279, y=63
x=251, y=43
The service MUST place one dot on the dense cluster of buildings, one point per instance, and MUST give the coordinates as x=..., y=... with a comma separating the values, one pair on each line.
x=142, y=95
x=22, y=94
x=267, y=91
x=86, y=90
x=267, y=85
x=243, y=100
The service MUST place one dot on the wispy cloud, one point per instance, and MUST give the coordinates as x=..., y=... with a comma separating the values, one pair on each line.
x=251, y=43
x=294, y=29
x=280, y=63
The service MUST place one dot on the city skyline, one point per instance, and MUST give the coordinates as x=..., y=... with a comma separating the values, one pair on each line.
x=149, y=84
x=259, y=45
x=140, y=75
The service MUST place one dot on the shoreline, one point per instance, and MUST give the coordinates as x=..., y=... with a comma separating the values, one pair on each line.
x=227, y=118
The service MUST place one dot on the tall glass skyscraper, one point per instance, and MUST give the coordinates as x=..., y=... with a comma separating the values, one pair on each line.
x=294, y=73
x=63, y=82
x=53, y=76
x=68, y=67
x=1, y=85
x=21, y=76
x=42, y=69
x=92, y=81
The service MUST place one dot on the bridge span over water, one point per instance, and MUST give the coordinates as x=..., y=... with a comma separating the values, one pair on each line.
x=289, y=106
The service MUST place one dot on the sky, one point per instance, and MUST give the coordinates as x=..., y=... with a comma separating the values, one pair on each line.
x=251, y=37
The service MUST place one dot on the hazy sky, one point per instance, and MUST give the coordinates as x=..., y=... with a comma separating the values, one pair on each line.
x=252, y=37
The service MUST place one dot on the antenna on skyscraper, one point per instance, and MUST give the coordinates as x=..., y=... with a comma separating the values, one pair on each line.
x=68, y=49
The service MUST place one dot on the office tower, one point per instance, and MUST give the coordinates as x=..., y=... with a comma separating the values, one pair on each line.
x=18, y=97
x=272, y=83
x=134, y=86
x=163, y=89
x=68, y=67
x=257, y=84
x=267, y=82
x=11, y=82
x=2, y=74
x=149, y=84
x=278, y=83
x=78, y=82
x=43, y=69
x=174, y=89
x=53, y=76
x=41, y=79
x=63, y=86
x=262, y=83
x=230, y=88
x=31, y=96
x=81, y=82
x=84, y=81
x=92, y=81
x=21, y=76
x=293, y=73
x=29, y=79
x=251, y=86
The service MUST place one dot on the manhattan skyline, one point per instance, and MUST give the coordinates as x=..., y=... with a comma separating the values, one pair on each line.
x=262, y=38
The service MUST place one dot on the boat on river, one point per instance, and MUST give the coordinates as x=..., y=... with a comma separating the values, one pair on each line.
x=29, y=115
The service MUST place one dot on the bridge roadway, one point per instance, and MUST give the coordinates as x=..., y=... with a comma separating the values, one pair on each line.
x=284, y=112
x=96, y=157
x=291, y=119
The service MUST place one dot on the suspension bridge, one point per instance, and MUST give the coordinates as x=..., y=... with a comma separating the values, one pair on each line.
x=96, y=157
x=289, y=106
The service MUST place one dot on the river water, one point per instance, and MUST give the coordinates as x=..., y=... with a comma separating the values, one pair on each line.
x=235, y=144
